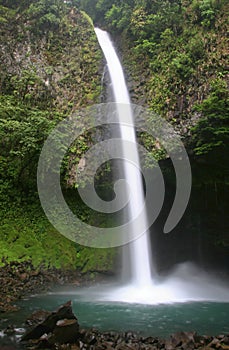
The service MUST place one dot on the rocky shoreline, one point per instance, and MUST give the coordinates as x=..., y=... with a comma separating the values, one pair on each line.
x=20, y=279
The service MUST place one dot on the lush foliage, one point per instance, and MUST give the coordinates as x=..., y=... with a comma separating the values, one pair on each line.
x=49, y=68
x=26, y=234
x=212, y=131
x=23, y=130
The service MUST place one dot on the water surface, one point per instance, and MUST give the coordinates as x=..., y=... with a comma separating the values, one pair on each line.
x=155, y=320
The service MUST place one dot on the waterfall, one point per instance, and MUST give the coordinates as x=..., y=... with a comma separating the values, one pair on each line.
x=139, y=266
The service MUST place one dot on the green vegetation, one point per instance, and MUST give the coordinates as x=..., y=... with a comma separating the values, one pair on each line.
x=26, y=234
x=211, y=134
x=49, y=69
x=212, y=131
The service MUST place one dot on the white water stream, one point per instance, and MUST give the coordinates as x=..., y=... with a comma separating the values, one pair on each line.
x=140, y=263
x=186, y=283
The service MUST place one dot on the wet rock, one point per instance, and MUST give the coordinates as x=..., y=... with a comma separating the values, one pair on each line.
x=184, y=339
x=214, y=342
x=9, y=330
x=22, y=278
x=37, y=317
x=219, y=342
x=150, y=340
x=224, y=347
x=51, y=325
x=225, y=340
x=87, y=337
x=65, y=331
x=75, y=347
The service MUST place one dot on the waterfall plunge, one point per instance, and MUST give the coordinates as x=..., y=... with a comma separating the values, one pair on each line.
x=186, y=282
x=140, y=262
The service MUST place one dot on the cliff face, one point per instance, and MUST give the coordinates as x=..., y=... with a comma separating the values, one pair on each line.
x=50, y=67
x=50, y=55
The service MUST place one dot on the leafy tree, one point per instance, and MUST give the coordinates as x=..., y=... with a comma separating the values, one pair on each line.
x=45, y=14
x=205, y=11
x=211, y=134
x=118, y=17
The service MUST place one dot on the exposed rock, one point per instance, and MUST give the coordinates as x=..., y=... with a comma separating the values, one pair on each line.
x=184, y=339
x=65, y=331
x=224, y=339
x=58, y=324
x=19, y=279
x=37, y=317
x=9, y=330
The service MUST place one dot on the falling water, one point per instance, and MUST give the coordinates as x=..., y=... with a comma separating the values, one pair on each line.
x=140, y=262
x=186, y=282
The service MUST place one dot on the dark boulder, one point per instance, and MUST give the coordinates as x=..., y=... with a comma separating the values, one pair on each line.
x=60, y=326
x=186, y=340
x=65, y=331
x=37, y=317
